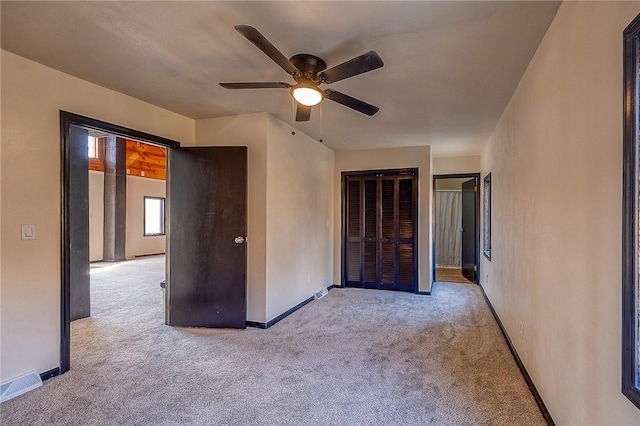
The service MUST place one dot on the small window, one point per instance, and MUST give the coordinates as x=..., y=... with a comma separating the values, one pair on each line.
x=153, y=216
x=631, y=217
x=93, y=147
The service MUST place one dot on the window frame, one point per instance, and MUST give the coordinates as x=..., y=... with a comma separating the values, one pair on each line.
x=630, y=216
x=144, y=216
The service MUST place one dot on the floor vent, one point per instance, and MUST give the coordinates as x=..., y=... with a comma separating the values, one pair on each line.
x=320, y=294
x=19, y=385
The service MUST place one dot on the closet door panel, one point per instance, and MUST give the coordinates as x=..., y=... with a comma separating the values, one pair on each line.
x=388, y=231
x=370, y=243
x=353, y=208
x=370, y=208
x=407, y=268
x=405, y=265
x=405, y=207
x=353, y=256
x=353, y=261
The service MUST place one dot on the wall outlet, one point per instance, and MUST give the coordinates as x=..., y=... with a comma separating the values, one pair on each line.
x=486, y=279
x=521, y=329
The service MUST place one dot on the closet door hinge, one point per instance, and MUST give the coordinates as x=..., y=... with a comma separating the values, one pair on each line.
x=475, y=268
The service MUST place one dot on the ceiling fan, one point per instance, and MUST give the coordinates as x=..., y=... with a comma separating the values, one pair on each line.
x=309, y=72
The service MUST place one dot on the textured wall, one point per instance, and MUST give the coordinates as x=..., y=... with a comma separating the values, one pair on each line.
x=299, y=217
x=32, y=96
x=137, y=189
x=453, y=165
x=556, y=164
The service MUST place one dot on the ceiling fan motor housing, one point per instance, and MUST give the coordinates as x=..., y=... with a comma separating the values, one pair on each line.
x=309, y=66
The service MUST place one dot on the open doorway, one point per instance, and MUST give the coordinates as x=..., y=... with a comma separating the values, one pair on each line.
x=456, y=228
x=126, y=202
x=105, y=181
x=206, y=215
x=127, y=192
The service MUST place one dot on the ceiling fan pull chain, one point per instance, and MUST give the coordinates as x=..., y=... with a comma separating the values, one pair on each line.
x=320, y=122
x=293, y=118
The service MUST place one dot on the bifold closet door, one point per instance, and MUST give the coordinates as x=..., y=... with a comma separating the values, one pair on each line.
x=407, y=251
x=388, y=231
x=370, y=233
x=353, y=214
x=380, y=216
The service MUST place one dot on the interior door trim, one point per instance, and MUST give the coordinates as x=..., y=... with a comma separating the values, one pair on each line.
x=433, y=225
x=68, y=119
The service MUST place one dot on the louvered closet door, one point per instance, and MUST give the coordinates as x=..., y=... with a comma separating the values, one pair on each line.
x=353, y=214
x=380, y=219
x=388, y=232
x=370, y=240
x=407, y=204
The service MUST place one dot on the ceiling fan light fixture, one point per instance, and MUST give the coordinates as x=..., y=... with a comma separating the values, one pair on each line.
x=305, y=95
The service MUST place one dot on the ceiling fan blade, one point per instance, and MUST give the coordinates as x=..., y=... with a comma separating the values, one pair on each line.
x=303, y=112
x=256, y=85
x=267, y=48
x=350, y=102
x=358, y=65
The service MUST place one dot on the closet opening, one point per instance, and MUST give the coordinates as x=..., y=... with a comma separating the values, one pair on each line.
x=380, y=228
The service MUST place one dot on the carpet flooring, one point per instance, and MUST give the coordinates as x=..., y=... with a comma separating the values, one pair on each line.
x=354, y=357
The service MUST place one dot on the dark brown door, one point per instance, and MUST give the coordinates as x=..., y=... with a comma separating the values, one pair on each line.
x=407, y=233
x=380, y=231
x=80, y=292
x=207, y=211
x=370, y=232
x=469, y=223
x=388, y=232
x=352, y=270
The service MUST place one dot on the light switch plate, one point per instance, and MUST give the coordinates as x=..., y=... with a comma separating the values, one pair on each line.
x=28, y=232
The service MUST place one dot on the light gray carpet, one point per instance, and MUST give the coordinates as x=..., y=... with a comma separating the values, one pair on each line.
x=355, y=357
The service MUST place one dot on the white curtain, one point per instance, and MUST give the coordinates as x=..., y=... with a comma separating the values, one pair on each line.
x=448, y=228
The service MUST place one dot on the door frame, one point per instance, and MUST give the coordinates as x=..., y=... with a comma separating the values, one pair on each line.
x=343, y=238
x=68, y=119
x=475, y=176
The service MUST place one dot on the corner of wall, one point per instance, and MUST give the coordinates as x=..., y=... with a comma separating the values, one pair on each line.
x=299, y=216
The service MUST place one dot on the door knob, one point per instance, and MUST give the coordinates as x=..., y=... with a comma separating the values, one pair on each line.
x=239, y=240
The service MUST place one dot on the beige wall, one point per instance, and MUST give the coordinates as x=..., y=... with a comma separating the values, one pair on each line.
x=32, y=96
x=299, y=217
x=251, y=131
x=394, y=158
x=137, y=244
x=289, y=244
x=453, y=184
x=556, y=164
x=453, y=165
x=96, y=215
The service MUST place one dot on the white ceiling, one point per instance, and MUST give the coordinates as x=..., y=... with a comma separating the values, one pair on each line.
x=450, y=67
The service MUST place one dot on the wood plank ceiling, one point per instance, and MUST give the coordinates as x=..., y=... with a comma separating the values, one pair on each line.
x=143, y=160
